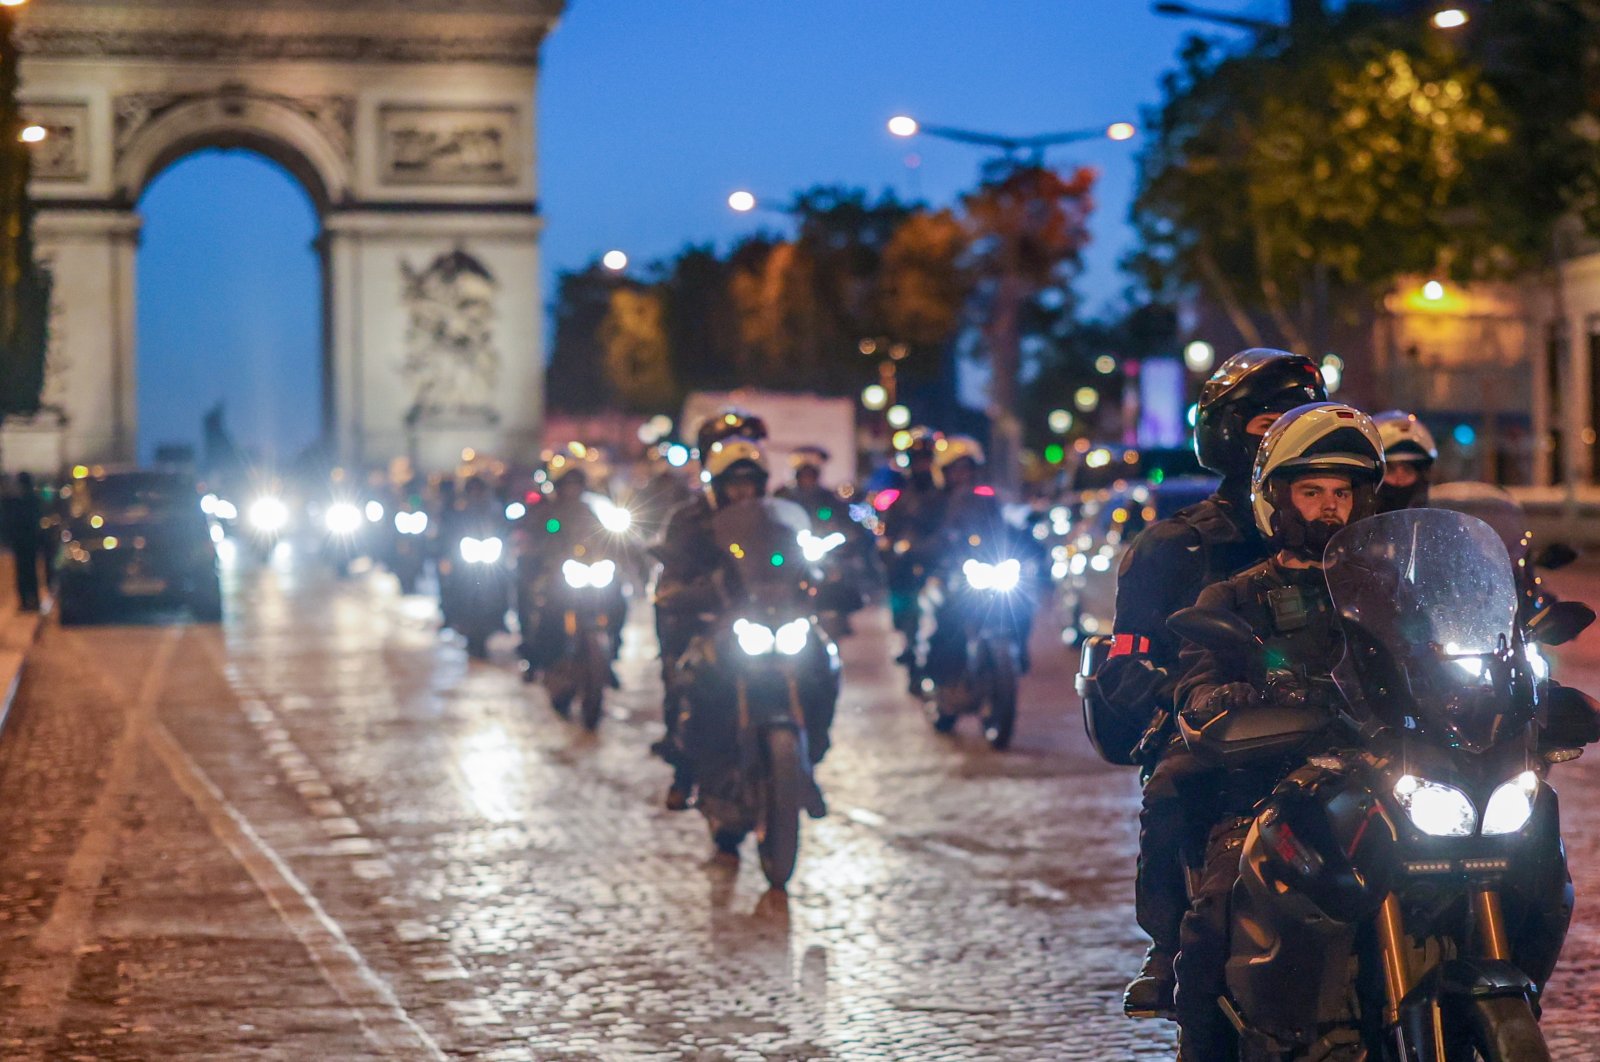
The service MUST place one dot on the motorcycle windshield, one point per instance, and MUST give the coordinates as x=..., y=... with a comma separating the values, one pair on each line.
x=1491, y=505
x=1428, y=606
x=760, y=542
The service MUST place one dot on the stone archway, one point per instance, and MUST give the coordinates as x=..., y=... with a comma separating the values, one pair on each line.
x=411, y=125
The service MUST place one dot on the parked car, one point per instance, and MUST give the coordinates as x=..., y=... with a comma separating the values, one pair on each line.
x=1085, y=565
x=135, y=537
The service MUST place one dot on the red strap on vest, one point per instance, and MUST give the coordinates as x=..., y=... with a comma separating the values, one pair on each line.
x=1129, y=644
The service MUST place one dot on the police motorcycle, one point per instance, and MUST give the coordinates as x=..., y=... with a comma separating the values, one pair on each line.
x=976, y=610
x=475, y=577
x=840, y=548
x=352, y=526
x=761, y=672
x=408, y=545
x=1389, y=881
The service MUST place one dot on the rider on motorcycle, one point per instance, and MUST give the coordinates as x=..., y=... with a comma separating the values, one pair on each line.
x=1318, y=469
x=685, y=560
x=1409, y=452
x=565, y=518
x=909, y=520
x=1168, y=565
x=829, y=514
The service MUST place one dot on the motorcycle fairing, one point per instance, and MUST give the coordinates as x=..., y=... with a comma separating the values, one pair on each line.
x=1436, y=1014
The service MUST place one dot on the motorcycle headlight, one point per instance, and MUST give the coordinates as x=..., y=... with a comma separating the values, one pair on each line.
x=1436, y=809
x=516, y=511
x=342, y=518
x=411, y=523
x=581, y=576
x=814, y=548
x=614, y=518
x=269, y=514
x=792, y=636
x=1511, y=804
x=1001, y=578
x=225, y=510
x=753, y=638
x=481, y=550
x=601, y=573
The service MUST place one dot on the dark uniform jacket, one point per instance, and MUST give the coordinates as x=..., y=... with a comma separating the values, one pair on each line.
x=1289, y=610
x=1165, y=570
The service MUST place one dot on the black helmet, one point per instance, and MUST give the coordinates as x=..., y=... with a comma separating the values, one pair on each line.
x=727, y=424
x=1250, y=383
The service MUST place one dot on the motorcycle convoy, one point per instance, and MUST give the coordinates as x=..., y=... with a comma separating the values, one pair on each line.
x=1330, y=674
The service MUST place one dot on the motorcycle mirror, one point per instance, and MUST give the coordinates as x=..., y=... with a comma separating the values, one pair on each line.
x=1562, y=622
x=1555, y=555
x=1221, y=632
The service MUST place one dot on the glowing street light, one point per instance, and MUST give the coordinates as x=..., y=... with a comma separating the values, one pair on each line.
x=616, y=261
x=742, y=201
x=1121, y=131
x=1199, y=356
x=1433, y=291
x=903, y=125
x=32, y=134
x=1450, y=18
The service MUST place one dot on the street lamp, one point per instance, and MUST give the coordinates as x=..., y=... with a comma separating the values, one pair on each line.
x=32, y=134
x=1225, y=18
x=903, y=125
x=1449, y=18
x=616, y=261
x=742, y=201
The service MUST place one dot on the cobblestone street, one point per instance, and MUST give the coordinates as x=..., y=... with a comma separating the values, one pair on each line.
x=317, y=832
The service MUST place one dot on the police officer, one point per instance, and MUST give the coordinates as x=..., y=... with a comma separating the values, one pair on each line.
x=685, y=561
x=1409, y=452
x=1165, y=570
x=910, y=518
x=1318, y=470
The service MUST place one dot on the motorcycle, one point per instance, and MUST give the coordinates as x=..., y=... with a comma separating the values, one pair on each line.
x=763, y=682
x=1378, y=875
x=975, y=613
x=408, y=546
x=572, y=612
x=475, y=587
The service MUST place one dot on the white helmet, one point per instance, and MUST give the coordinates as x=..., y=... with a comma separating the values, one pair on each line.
x=952, y=448
x=736, y=454
x=1319, y=437
x=1405, y=438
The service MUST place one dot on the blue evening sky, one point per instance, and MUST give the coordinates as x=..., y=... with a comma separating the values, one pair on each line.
x=651, y=112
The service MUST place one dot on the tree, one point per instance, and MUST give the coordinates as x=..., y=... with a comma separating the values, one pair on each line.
x=576, y=380
x=1339, y=160
x=636, y=357
x=923, y=284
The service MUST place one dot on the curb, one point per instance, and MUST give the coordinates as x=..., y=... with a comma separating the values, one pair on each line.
x=19, y=631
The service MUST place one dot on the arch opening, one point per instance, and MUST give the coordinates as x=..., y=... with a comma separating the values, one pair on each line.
x=230, y=303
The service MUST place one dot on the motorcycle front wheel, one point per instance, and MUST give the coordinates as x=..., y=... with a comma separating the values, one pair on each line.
x=595, y=675
x=778, y=831
x=1503, y=1029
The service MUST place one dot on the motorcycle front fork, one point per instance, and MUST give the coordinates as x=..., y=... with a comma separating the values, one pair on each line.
x=1488, y=935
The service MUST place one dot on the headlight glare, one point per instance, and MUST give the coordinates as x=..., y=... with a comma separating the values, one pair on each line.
x=481, y=550
x=1511, y=805
x=792, y=636
x=1536, y=662
x=411, y=523
x=814, y=548
x=614, y=518
x=1436, y=809
x=980, y=576
x=753, y=638
x=268, y=514
x=342, y=518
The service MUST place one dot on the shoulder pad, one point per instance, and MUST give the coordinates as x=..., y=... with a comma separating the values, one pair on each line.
x=1211, y=520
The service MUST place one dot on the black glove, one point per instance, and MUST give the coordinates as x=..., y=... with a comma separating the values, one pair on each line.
x=1131, y=684
x=1219, y=699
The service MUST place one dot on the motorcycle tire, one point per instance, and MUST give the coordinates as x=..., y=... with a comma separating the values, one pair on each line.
x=1001, y=719
x=478, y=646
x=943, y=721
x=1503, y=1029
x=778, y=832
x=596, y=676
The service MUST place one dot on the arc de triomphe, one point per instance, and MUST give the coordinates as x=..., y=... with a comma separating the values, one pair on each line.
x=411, y=125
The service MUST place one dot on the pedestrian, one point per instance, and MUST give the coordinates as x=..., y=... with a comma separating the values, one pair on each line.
x=20, y=515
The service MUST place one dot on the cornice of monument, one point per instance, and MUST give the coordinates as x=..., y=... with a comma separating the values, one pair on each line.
x=407, y=31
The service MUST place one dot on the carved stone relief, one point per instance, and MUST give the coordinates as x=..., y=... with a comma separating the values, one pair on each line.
x=335, y=116
x=63, y=155
x=447, y=145
x=450, y=360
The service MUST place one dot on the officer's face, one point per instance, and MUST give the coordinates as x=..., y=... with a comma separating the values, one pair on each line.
x=1323, y=498
x=807, y=478
x=1259, y=423
x=1401, y=474
x=740, y=489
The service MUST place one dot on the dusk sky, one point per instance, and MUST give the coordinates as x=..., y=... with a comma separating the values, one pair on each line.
x=651, y=113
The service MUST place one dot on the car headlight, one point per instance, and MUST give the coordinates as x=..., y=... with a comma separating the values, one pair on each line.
x=1511, y=804
x=1003, y=577
x=753, y=638
x=342, y=518
x=791, y=638
x=814, y=548
x=269, y=514
x=481, y=550
x=1436, y=809
x=580, y=576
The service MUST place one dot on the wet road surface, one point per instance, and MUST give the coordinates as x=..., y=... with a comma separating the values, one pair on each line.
x=318, y=832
